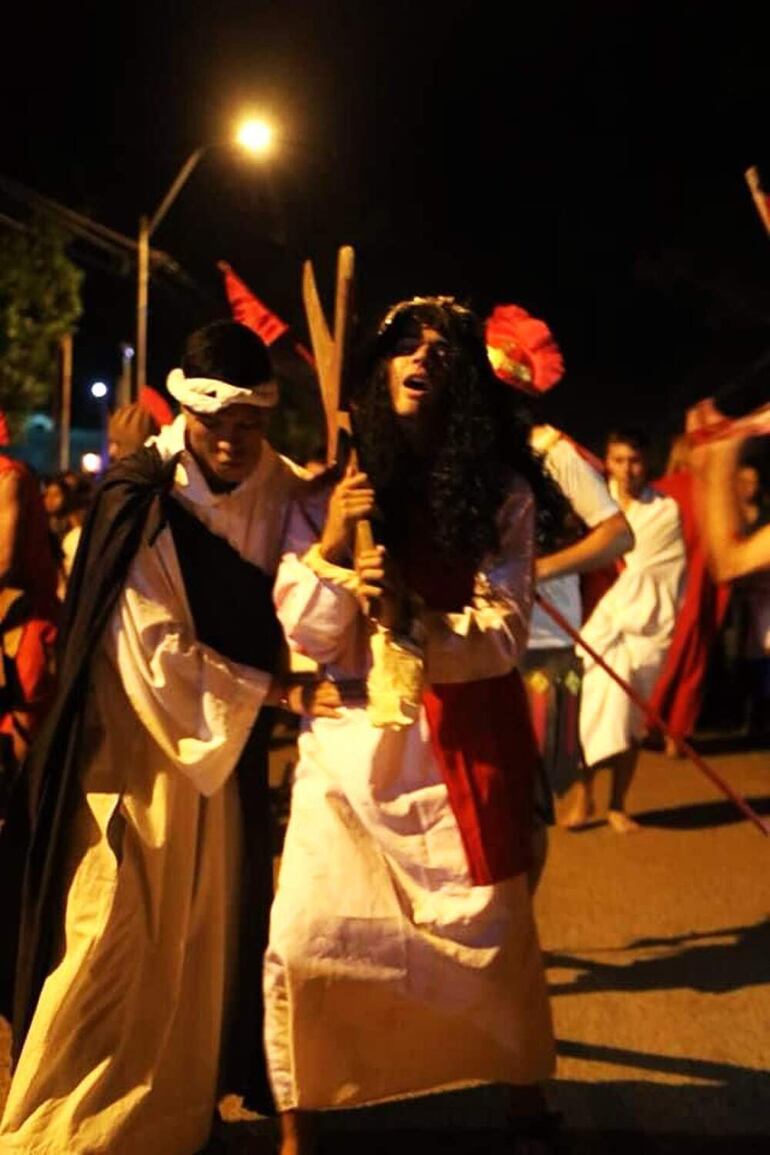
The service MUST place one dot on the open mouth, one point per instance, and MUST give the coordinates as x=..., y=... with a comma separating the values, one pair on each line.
x=417, y=384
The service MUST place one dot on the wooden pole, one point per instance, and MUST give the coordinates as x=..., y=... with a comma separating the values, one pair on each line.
x=142, y=284
x=65, y=400
x=760, y=198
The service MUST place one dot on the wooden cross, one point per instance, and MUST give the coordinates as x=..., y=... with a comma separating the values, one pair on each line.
x=330, y=351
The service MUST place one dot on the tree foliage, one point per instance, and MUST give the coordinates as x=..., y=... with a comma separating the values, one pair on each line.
x=39, y=303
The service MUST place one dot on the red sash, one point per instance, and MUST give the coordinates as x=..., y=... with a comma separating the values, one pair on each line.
x=481, y=732
x=484, y=742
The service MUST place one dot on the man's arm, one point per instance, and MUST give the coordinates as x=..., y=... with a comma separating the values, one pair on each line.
x=730, y=553
x=10, y=510
x=601, y=545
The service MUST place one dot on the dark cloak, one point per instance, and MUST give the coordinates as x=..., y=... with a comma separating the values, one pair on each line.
x=132, y=505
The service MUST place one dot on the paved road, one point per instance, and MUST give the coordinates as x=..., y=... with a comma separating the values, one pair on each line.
x=658, y=949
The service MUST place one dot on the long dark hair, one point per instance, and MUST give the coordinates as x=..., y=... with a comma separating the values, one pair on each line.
x=481, y=440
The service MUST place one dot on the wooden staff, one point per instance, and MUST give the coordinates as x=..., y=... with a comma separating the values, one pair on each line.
x=330, y=351
x=760, y=197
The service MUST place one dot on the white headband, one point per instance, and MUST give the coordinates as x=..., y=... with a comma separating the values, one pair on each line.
x=207, y=395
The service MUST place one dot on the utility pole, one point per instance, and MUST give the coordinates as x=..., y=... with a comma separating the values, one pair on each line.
x=147, y=226
x=123, y=391
x=142, y=288
x=65, y=400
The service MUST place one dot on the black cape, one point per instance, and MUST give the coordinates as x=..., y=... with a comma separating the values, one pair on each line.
x=132, y=505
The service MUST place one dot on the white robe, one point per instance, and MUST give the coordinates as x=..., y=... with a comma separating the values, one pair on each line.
x=631, y=628
x=388, y=973
x=123, y=1050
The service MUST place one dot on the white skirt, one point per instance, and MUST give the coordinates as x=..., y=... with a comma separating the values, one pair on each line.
x=388, y=973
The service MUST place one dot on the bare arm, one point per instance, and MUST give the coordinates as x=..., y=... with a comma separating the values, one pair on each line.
x=10, y=511
x=601, y=545
x=730, y=553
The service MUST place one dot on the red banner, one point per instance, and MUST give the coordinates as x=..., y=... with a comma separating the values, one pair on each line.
x=156, y=405
x=249, y=310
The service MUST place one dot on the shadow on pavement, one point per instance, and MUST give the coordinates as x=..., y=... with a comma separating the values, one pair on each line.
x=723, y=1113
x=705, y=966
x=488, y=1142
x=701, y=815
x=730, y=743
x=729, y=1114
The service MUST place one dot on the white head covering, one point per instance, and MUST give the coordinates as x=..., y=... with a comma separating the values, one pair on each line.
x=208, y=395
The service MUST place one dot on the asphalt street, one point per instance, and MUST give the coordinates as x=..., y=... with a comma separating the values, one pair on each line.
x=658, y=953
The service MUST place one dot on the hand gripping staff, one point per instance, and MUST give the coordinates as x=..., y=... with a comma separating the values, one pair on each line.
x=654, y=716
x=394, y=682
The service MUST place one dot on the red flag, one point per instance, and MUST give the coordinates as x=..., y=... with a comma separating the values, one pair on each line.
x=156, y=405
x=761, y=198
x=5, y=433
x=250, y=311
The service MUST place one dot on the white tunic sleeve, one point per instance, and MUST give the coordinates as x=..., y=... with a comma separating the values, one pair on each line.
x=488, y=638
x=197, y=705
x=319, y=616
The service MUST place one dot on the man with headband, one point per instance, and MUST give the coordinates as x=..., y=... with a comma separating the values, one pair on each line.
x=148, y=870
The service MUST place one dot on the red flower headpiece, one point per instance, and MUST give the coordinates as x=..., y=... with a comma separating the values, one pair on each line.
x=522, y=350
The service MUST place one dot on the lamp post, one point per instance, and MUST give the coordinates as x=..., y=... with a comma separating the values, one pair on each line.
x=254, y=136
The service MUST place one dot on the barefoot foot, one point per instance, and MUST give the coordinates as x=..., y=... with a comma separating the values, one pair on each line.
x=671, y=748
x=579, y=814
x=621, y=823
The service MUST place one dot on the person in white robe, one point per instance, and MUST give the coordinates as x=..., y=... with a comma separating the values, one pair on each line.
x=403, y=956
x=125, y=1044
x=524, y=354
x=630, y=628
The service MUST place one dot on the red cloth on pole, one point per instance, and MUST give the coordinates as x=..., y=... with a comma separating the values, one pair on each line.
x=679, y=690
x=249, y=310
x=156, y=405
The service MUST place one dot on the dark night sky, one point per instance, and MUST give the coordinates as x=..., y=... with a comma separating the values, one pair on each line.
x=583, y=159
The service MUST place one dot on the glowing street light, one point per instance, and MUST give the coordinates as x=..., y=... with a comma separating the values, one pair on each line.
x=255, y=137
x=91, y=463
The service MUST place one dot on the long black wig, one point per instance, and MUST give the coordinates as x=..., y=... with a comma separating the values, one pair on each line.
x=481, y=440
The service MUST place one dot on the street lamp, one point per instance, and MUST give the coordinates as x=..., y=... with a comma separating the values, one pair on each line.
x=253, y=136
x=100, y=392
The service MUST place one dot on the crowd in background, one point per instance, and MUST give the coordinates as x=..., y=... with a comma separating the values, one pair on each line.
x=734, y=692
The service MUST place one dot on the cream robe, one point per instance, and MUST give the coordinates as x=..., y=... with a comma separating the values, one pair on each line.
x=388, y=973
x=122, y=1054
x=631, y=628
